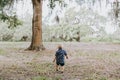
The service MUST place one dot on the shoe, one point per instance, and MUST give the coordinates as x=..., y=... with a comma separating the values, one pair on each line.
x=61, y=71
x=56, y=69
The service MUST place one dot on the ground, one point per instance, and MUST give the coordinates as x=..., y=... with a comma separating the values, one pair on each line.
x=87, y=61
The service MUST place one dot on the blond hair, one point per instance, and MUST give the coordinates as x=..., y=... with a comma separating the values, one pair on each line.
x=59, y=47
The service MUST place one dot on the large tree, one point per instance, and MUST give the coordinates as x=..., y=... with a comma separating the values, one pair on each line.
x=36, y=43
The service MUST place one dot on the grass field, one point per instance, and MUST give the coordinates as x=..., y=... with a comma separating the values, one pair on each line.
x=87, y=61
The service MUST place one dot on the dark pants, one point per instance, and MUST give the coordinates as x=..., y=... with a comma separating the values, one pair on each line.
x=61, y=64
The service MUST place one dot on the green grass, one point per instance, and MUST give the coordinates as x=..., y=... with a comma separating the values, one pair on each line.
x=44, y=70
x=41, y=78
x=41, y=68
x=103, y=78
x=1, y=78
x=47, y=78
x=2, y=52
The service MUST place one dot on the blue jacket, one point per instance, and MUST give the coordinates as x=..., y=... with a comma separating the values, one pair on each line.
x=60, y=55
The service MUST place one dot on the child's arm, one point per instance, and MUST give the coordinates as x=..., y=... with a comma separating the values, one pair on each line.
x=54, y=59
x=66, y=57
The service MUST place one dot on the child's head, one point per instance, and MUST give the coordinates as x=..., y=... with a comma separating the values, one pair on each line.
x=59, y=47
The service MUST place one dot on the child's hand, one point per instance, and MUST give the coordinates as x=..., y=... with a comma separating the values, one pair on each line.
x=54, y=60
x=66, y=57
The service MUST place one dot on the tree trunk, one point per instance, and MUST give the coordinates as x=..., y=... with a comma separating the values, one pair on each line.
x=36, y=43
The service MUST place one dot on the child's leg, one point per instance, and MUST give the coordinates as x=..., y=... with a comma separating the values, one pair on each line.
x=62, y=68
x=57, y=67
